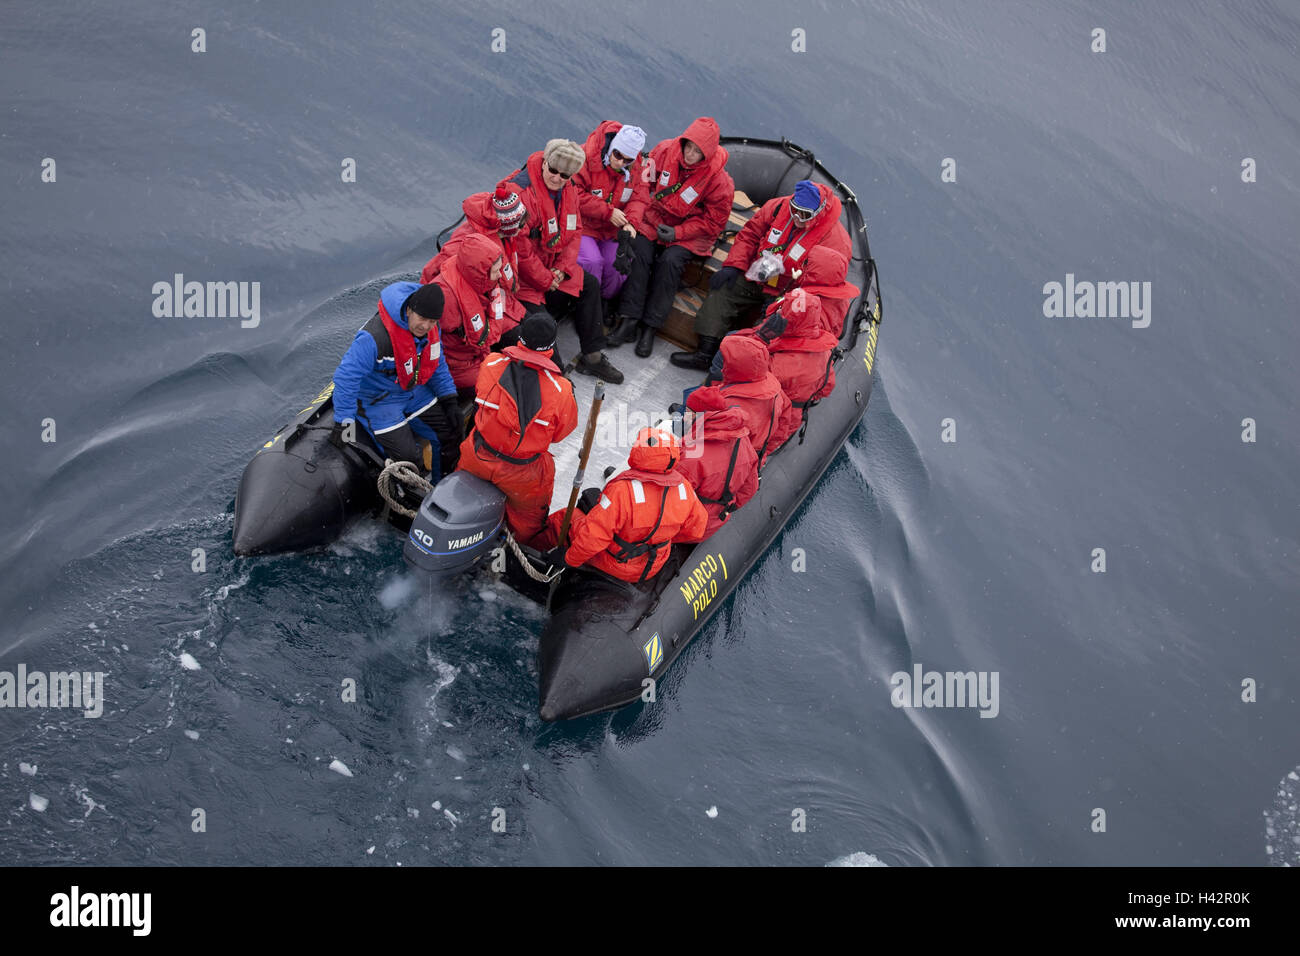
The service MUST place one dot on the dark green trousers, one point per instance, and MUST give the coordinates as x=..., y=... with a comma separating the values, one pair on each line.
x=724, y=309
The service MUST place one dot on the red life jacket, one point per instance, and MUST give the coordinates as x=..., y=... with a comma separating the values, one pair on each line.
x=555, y=234
x=474, y=316
x=696, y=200
x=791, y=242
x=629, y=532
x=412, y=369
x=823, y=275
x=525, y=404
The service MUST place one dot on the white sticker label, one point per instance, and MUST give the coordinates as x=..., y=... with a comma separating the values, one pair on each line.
x=508, y=272
x=571, y=223
x=476, y=320
x=774, y=236
x=796, y=252
x=552, y=226
x=689, y=195
x=627, y=194
x=663, y=178
x=598, y=193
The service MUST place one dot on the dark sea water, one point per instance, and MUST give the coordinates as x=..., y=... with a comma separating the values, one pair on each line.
x=1120, y=691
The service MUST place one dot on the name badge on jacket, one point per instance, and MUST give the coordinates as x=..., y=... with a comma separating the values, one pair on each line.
x=552, y=226
x=663, y=178
x=689, y=195
x=571, y=223
x=627, y=194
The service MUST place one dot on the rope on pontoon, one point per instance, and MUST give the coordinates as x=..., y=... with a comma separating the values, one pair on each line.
x=527, y=565
x=404, y=473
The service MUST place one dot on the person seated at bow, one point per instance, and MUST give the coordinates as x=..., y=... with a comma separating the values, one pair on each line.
x=553, y=280
x=613, y=193
x=763, y=261
x=629, y=530
x=719, y=459
x=473, y=317
x=748, y=383
x=394, y=380
x=690, y=203
x=524, y=406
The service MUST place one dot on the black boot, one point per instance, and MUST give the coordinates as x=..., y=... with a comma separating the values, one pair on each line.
x=599, y=367
x=701, y=358
x=624, y=331
x=645, y=341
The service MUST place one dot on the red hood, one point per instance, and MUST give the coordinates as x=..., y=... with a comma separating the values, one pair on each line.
x=659, y=459
x=801, y=322
x=481, y=213
x=474, y=259
x=746, y=358
x=726, y=423
x=594, y=147
x=705, y=134
x=825, y=267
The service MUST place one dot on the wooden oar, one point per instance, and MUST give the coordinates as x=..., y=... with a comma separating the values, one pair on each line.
x=587, y=438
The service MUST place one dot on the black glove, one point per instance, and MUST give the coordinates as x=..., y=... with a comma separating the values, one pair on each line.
x=587, y=500
x=451, y=405
x=727, y=275
x=555, y=558
x=667, y=234
x=336, y=435
x=623, y=258
x=772, y=327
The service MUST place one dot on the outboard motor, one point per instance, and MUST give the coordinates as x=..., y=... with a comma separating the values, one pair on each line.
x=459, y=522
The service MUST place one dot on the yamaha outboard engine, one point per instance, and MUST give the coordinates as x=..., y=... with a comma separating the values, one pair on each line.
x=459, y=522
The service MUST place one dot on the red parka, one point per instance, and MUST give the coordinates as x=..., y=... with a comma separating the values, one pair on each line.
x=601, y=190
x=524, y=403
x=801, y=354
x=648, y=507
x=720, y=462
x=748, y=382
x=773, y=228
x=694, y=200
x=473, y=313
x=518, y=253
x=555, y=233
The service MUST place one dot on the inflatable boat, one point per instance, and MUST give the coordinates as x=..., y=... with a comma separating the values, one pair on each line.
x=605, y=641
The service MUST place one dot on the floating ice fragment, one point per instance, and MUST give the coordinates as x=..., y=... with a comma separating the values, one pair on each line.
x=455, y=753
x=711, y=813
x=437, y=804
x=27, y=768
x=338, y=766
x=371, y=850
x=857, y=859
x=451, y=816
x=188, y=662
x=192, y=734
x=37, y=802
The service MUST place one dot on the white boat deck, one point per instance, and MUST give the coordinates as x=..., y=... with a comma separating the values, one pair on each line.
x=649, y=386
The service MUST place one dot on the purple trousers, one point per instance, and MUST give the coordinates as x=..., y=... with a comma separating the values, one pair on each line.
x=596, y=256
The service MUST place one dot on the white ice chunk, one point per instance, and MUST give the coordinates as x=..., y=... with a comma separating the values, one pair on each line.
x=857, y=859
x=188, y=662
x=711, y=813
x=338, y=766
x=27, y=768
x=37, y=802
x=192, y=734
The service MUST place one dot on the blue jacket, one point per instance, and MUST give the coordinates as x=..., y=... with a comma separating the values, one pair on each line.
x=363, y=375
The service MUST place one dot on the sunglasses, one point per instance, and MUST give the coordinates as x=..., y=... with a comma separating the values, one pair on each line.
x=556, y=172
x=801, y=215
x=615, y=154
